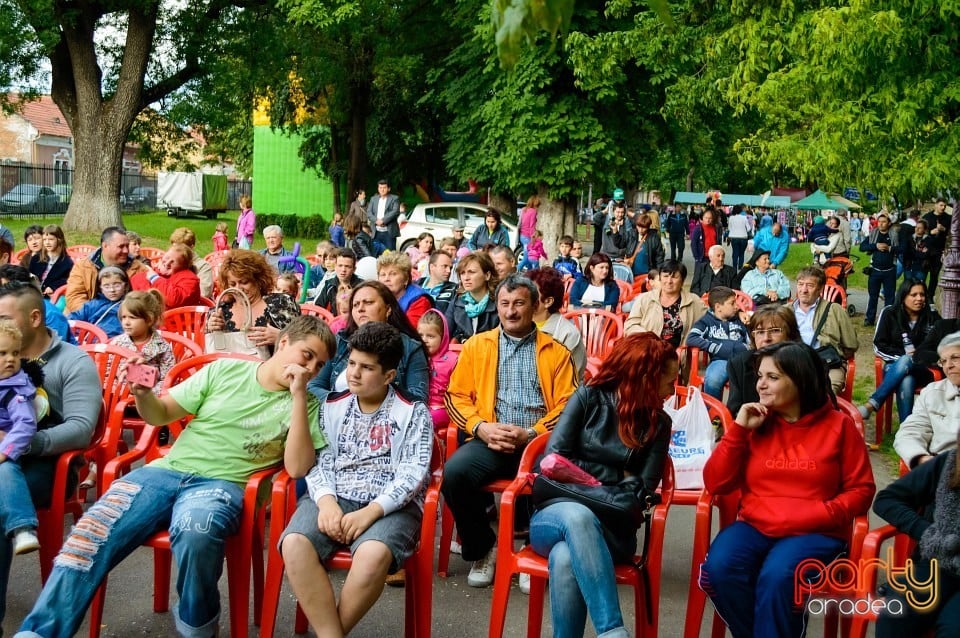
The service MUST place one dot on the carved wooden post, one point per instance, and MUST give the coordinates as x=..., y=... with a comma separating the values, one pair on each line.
x=950, y=280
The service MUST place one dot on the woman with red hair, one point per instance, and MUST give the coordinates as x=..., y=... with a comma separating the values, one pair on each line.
x=613, y=427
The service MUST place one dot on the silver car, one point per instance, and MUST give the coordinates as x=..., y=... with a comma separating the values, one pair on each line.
x=30, y=198
x=439, y=219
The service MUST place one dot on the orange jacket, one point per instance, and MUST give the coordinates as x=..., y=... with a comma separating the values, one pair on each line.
x=471, y=395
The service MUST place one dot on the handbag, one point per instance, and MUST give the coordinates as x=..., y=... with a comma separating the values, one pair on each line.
x=237, y=341
x=829, y=354
x=617, y=507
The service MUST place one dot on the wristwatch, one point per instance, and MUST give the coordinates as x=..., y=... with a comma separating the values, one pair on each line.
x=531, y=434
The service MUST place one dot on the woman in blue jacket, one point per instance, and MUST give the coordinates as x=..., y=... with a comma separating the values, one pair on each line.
x=492, y=232
x=597, y=288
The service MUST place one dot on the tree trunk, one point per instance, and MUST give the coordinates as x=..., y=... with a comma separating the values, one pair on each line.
x=503, y=202
x=357, y=171
x=333, y=171
x=554, y=219
x=95, y=204
x=690, y=180
x=950, y=280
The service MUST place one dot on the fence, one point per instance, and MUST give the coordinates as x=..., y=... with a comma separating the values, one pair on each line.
x=30, y=190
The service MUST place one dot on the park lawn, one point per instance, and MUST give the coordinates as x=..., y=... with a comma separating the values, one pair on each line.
x=799, y=256
x=155, y=228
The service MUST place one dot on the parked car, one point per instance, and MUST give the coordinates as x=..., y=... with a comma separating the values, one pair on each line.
x=139, y=197
x=439, y=218
x=30, y=198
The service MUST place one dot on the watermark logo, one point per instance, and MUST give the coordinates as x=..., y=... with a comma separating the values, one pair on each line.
x=838, y=585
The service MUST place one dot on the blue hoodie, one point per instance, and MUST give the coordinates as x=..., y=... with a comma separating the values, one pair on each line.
x=102, y=313
x=778, y=245
x=722, y=339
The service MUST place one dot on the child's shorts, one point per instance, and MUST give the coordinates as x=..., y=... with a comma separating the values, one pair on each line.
x=399, y=531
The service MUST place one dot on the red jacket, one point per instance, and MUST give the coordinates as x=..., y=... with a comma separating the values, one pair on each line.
x=182, y=288
x=811, y=476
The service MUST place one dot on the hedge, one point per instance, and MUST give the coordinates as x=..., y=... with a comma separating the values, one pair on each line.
x=312, y=227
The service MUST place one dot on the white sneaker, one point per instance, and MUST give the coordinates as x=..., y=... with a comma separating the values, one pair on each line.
x=481, y=574
x=455, y=548
x=524, y=583
x=25, y=541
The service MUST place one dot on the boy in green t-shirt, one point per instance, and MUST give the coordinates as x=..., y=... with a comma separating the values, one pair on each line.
x=367, y=490
x=248, y=415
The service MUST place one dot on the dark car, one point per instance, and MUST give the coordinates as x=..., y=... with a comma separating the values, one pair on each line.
x=30, y=198
x=140, y=197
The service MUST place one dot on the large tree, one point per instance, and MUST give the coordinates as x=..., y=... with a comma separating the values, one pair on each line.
x=108, y=61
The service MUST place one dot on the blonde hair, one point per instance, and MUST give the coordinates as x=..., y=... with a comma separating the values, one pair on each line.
x=400, y=261
x=186, y=252
x=184, y=235
x=146, y=305
x=9, y=329
x=292, y=278
x=246, y=202
x=221, y=227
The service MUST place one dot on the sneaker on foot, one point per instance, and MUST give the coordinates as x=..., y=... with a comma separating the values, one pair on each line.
x=25, y=541
x=455, y=547
x=481, y=574
x=524, y=583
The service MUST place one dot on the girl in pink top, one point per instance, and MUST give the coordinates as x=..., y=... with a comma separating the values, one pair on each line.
x=432, y=328
x=246, y=223
x=535, y=252
x=528, y=222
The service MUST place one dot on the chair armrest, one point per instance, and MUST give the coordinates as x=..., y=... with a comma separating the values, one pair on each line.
x=530, y=453
x=121, y=464
x=453, y=442
x=861, y=526
x=874, y=539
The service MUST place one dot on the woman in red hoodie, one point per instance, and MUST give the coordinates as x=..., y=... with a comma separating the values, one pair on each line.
x=803, y=474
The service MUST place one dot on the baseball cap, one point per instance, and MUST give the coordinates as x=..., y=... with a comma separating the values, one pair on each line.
x=618, y=193
x=460, y=228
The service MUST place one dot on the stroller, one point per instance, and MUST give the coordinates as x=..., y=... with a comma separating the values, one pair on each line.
x=837, y=269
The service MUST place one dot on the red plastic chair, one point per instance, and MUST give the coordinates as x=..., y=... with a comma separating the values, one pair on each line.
x=696, y=361
x=188, y=321
x=242, y=549
x=183, y=348
x=50, y=527
x=190, y=365
x=639, y=285
x=317, y=311
x=17, y=256
x=116, y=398
x=151, y=253
x=87, y=333
x=510, y=562
x=832, y=292
x=744, y=301
x=418, y=594
x=567, y=285
x=626, y=293
x=847, y=392
x=80, y=251
x=59, y=292
x=598, y=328
x=207, y=302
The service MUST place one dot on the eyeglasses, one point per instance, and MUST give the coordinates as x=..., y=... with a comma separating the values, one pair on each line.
x=949, y=361
x=117, y=286
x=771, y=332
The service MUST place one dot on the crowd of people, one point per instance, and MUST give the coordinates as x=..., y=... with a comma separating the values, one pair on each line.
x=465, y=333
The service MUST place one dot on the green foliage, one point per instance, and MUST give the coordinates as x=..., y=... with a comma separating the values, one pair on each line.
x=312, y=226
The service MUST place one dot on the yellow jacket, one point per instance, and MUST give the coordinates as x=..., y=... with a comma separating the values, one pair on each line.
x=471, y=394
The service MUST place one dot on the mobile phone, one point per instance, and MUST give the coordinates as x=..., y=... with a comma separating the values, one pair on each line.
x=143, y=374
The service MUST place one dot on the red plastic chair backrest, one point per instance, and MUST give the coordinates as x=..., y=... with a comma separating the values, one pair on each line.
x=59, y=292
x=598, y=328
x=80, y=251
x=87, y=333
x=182, y=347
x=107, y=358
x=188, y=321
x=314, y=310
x=835, y=294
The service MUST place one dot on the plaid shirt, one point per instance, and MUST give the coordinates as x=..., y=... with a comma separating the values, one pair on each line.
x=519, y=396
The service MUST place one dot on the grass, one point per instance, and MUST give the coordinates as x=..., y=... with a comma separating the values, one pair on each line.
x=155, y=227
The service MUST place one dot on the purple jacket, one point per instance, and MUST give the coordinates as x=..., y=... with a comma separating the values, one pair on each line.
x=17, y=418
x=528, y=222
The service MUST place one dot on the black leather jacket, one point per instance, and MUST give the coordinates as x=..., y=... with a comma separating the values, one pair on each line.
x=587, y=435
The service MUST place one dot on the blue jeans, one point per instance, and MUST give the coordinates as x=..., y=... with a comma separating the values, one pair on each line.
x=200, y=514
x=739, y=250
x=16, y=508
x=715, y=377
x=886, y=279
x=750, y=579
x=581, y=570
x=38, y=472
x=524, y=242
x=901, y=377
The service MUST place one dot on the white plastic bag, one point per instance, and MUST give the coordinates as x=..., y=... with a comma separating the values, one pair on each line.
x=692, y=438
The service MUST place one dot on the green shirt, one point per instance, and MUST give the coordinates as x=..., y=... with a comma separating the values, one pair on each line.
x=238, y=428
